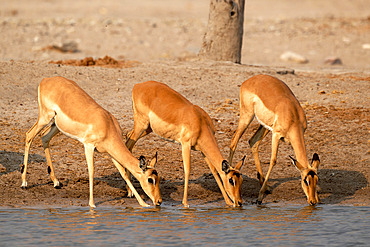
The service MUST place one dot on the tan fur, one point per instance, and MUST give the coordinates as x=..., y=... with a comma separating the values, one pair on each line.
x=164, y=111
x=65, y=107
x=276, y=109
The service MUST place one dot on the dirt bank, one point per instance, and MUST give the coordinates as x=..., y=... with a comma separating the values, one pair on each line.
x=162, y=46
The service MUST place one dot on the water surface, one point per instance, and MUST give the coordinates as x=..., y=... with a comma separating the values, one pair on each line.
x=173, y=226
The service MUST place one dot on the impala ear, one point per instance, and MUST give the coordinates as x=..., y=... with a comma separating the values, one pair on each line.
x=153, y=162
x=225, y=166
x=315, y=161
x=142, y=163
x=240, y=164
x=296, y=163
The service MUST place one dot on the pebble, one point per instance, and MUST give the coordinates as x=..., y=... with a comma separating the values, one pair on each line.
x=2, y=168
x=285, y=72
x=293, y=57
x=333, y=61
x=366, y=46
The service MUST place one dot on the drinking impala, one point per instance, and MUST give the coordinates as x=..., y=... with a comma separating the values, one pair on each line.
x=160, y=109
x=65, y=107
x=275, y=107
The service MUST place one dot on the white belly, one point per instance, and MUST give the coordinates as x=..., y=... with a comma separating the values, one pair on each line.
x=264, y=124
x=263, y=115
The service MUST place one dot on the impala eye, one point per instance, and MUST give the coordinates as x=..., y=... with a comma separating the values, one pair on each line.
x=231, y=181
x=150, y=180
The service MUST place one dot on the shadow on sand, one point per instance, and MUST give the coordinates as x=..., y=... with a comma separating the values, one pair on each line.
x=12, y=161
x=335, y=185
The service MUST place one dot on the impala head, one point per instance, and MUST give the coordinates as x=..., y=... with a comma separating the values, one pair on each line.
x=309, y=178
x=151, y=179
x=232, y=181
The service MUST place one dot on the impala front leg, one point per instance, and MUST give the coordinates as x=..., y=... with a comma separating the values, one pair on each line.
x=246, y=118
x=89, y=153
x=186, y=160
x=219, y=183
x=123, y=173
x=237, y=135
x=274, y=148
x=138, y=132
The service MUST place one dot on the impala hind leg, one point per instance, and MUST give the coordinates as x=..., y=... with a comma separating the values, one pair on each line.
x=30, y=135
x=254, y=143
x=274, y=150
x=51, y=132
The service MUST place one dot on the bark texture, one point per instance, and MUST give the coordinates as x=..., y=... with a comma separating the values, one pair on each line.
x=224, y=36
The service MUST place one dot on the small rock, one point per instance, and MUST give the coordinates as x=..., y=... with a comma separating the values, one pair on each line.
x=293, y=57
x=67, y=47
x=346, y=40
x=285, y=72
x=337, y=92
x=333, y=61
x=2, y=168
x=366, y=46
x=70, y=47
x=228, y=101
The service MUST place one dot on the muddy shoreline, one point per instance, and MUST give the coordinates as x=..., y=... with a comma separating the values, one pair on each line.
x=163, y=48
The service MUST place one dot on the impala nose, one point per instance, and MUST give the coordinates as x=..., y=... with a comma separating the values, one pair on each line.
x=312, y=202
x=238, y=204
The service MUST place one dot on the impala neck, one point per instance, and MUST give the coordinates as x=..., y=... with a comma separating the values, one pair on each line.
x=122, y=155
x=208, y=146
x=297, y=142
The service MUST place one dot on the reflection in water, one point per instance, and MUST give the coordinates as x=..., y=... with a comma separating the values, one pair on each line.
x=172, y=226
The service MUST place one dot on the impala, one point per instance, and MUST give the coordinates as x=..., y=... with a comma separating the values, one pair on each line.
x=65, y=107
x=277, y=110
x=158, y=108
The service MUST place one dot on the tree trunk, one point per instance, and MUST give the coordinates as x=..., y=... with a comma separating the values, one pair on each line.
x=224, y=36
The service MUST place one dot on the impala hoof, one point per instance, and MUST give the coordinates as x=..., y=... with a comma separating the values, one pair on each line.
x=58, y=185
x=24, y=186
x=130, y=194
x=259, y=202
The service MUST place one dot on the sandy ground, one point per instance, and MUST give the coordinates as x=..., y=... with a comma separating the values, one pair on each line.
x=159, y=40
